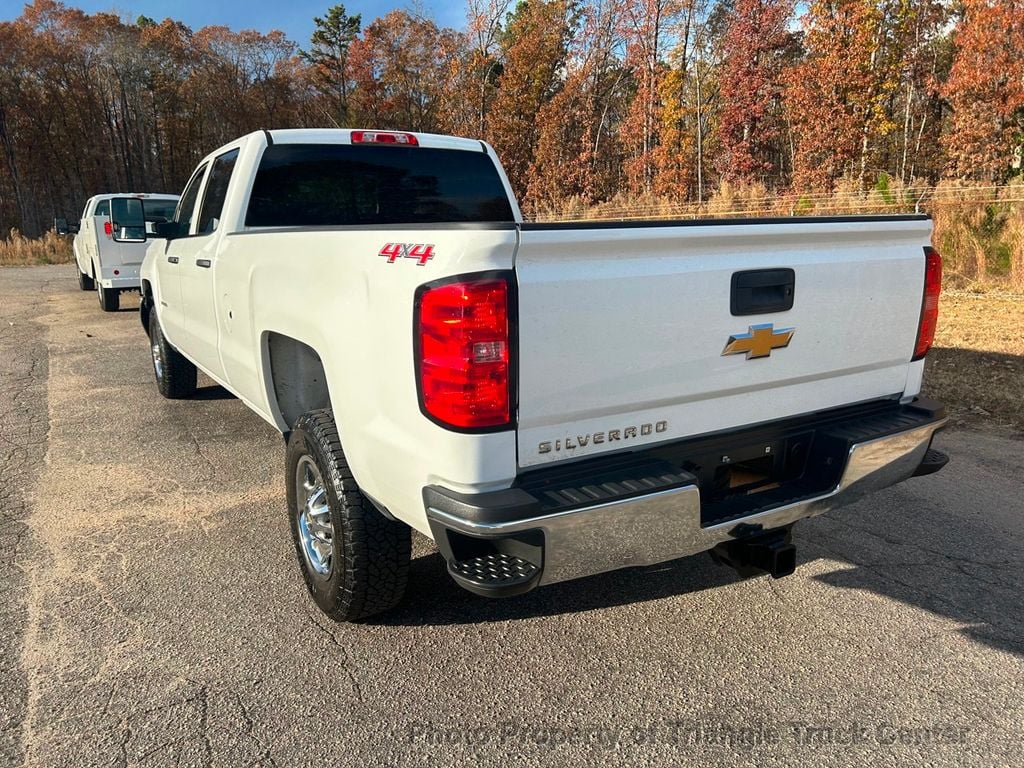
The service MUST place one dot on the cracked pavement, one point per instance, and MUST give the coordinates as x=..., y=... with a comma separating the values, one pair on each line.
x=152, y=612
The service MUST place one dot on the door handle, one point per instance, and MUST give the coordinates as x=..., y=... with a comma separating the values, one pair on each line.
x=172, y=259
x=760, y=291
x=204, y=263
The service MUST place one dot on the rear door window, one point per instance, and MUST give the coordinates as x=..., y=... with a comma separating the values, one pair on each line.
x=303, y=185
x=187, y=205
x=102, y=208
x=216, y=191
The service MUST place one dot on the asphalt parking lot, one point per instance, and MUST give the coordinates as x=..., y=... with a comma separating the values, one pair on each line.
x=152, y=613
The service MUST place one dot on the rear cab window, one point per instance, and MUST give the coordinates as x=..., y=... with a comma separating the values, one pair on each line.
x=309, y=185
x=160, y=210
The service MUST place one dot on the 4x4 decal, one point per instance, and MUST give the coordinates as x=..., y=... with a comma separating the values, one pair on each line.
x=422, y=252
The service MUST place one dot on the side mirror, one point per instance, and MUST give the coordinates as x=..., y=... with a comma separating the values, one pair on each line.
x=168, y=230
x=61, y=227
x=127, y=220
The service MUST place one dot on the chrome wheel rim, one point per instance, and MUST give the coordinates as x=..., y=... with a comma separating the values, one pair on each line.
x=158, y=360
x=313, y=517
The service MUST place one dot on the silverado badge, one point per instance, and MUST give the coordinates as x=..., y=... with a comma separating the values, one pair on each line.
x=759, y=341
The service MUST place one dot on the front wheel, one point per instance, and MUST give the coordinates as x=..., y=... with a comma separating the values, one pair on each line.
x=355, y=561
x=110, y=299
x=176, y=375
x=85, y=282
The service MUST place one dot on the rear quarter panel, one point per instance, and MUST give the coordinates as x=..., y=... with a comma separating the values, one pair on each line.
x=330, y=289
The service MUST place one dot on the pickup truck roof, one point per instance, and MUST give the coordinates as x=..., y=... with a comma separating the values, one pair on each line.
x=344, y=136
x=140, y=195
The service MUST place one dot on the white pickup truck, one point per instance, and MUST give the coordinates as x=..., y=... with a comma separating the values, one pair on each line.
x=544, y=401
x=108, y=265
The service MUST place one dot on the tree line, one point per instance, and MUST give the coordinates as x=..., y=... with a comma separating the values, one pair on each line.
x=584, y=100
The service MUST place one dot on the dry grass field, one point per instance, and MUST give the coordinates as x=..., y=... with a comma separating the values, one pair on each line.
x=16, y=250
x=977, y=365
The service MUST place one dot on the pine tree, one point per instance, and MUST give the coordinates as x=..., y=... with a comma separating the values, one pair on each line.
x=328, y=56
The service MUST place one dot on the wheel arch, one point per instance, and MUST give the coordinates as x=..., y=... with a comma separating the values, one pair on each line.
x=146, y=304
x=295, y=378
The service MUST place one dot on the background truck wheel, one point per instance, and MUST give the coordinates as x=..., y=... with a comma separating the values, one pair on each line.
x=85, y=281
x=354, y=560
x=176, y=376
x=110, y=298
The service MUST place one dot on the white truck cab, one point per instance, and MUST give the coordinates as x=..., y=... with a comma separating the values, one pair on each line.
x=106, y=262
x=544, y=401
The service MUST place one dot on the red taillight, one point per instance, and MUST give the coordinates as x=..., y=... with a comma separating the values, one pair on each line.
x=384, y=137
x=930, y=303
x=462, y=337
x=108, y=228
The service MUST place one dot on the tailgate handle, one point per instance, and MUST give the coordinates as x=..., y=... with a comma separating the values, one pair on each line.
x=760, y=291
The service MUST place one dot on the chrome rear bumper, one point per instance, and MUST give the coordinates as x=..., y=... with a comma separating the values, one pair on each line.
x=662, y=526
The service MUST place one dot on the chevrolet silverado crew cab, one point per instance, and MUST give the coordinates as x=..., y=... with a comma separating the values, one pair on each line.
x=545, y=401
x=108, y=265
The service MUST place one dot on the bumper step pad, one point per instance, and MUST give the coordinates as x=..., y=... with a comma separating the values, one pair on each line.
x=494, y=573
x=932, y=462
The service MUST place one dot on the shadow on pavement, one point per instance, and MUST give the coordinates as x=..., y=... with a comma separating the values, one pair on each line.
x=212, y=392
x=434, y=599
x=949, y=544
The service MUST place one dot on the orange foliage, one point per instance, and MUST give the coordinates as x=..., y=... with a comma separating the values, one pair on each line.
x=986, y=89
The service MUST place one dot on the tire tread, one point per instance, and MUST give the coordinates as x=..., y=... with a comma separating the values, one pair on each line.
x=377, y=551
x=180, y=377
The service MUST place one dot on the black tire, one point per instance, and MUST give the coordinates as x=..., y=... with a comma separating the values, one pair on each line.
x=85, y=282
x=176, y=376
x=370, y=554
x=110, y=298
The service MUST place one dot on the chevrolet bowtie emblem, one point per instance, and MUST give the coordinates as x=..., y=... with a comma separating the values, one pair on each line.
x=759, y=341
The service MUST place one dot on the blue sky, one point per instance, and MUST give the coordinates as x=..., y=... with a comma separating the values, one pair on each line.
x=295, y=17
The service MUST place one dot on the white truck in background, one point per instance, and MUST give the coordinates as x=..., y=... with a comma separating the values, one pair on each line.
x=112, y=265
x=544, y=401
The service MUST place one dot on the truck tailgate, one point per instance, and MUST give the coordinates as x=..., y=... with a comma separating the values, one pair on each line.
x=622, y=329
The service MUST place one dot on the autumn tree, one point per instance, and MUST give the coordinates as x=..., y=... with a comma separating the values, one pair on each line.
x=831, y=94
x=399, y=68
x=917, y=107
x=584, y=100
x=328, y=56
x=688, y=112
x=986, y=89
x=756, y=46
x=577, y=153
x=646, y=25
x=479, y=73
x=533, y=53
x=91, y=103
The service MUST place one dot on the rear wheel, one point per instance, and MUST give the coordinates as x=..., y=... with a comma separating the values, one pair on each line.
x=354, y=560
x=85, y=282
x=110, y=298
x=176, y=376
